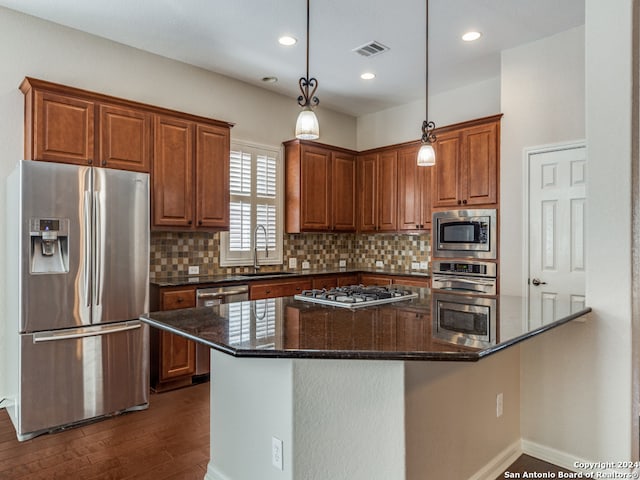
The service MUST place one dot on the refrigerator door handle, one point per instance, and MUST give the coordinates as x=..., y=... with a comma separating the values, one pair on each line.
x=40, y=337
x=87, y=248
x=98, y=247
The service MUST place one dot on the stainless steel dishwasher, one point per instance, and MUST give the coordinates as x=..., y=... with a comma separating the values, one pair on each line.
x=209, y=297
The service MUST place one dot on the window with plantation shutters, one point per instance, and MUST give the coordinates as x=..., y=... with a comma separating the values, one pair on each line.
x=255, y=201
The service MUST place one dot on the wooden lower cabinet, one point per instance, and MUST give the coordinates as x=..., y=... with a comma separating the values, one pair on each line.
x=173, y=358
x=278, y=288
x=370, y=279
x=333, y=281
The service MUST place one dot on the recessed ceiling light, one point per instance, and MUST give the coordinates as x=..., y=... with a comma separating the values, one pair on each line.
x=269, y=79
x=287, y=40
x=368, y=76
x=471, y=36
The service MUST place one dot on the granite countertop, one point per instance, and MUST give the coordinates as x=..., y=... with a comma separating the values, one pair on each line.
x=181, y=280
x=288, y=328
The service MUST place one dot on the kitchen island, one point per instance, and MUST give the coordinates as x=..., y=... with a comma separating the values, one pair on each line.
x=355, y=393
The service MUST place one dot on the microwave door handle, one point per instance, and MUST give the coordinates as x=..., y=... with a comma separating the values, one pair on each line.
x=473, y=282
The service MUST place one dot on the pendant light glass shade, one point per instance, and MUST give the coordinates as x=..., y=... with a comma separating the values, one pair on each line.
x=307, y=127
x=426, y=155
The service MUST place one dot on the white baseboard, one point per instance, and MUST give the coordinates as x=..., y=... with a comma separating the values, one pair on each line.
x=499, y=463
x=214, y=474
x=566, y=460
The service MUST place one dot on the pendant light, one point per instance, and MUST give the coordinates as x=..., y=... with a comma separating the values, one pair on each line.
x=426, y=154
x=307, y=127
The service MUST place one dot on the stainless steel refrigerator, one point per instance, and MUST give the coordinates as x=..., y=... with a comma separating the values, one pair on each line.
x=77, y=281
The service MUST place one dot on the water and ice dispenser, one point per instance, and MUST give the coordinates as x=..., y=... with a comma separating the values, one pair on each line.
x=49, y=245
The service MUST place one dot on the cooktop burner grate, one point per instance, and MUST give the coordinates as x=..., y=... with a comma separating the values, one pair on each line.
x=354, y=296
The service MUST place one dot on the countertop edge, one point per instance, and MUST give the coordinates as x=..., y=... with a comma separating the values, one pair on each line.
x=367, y=354
x=245, y=278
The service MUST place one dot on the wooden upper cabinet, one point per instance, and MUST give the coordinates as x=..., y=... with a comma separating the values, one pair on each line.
x=173, y=173
x=61, y=127
x=125, y=138
x=315, y=191
x=320, y=183
x=447, y=172
x=212, y=178
x=480, y=148
x=414, y=191
x=344, y=191
x=190, y=175
x=378, y=195
x=388, y=191
x=467, y=164
x=368, y=193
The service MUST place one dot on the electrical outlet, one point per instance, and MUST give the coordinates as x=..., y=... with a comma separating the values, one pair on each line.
x=499, y=405
x=305, y=265
x=424, y=265
x=194, y=270
x=379, y=264
x=276, y=453
x=293, y=262
x=415, y=265
x=342, y=263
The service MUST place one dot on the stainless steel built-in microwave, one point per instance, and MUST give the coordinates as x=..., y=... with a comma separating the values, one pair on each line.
x=465, y=234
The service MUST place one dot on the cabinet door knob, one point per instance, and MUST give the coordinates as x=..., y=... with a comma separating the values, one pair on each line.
x=104, y=162
x=199, y=222
x=459, y=202
x=89, y=161
x=464, y=202
x=180, y=300
x=190, y=222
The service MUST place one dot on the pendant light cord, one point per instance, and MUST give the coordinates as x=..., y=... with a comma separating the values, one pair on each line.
x=308, y=99
x=307, y=38
x=426, y=61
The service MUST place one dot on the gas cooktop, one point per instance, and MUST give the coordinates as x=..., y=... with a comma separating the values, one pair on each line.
x=356, y=296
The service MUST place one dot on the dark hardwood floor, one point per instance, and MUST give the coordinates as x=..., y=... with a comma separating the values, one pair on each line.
x=170, y=440
x=528, y=464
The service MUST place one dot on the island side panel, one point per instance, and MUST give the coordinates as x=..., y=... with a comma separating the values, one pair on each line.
x=452, y=430
x=251, y=402
x=348, y=421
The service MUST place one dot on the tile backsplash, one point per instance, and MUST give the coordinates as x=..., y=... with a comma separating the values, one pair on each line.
x=174, y=252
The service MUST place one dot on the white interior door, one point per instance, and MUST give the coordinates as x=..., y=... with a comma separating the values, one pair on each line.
x=557, y=212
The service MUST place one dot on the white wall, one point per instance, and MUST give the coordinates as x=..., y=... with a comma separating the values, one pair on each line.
x=40, y=49
x=542, y=99
x=404, y=123
x=576, y=384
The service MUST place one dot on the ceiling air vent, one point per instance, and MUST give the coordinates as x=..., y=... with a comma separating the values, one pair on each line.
x=370, y=49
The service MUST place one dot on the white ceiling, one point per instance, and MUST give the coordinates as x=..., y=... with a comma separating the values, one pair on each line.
x=238, y=38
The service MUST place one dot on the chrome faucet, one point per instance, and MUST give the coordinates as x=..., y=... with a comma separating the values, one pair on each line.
x=256, y=267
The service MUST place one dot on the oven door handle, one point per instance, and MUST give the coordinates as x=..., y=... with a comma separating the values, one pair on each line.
x=465, y=280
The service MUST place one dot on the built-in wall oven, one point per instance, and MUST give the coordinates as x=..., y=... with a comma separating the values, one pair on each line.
x=469, y=320
x=465, y=234
x=464, y=302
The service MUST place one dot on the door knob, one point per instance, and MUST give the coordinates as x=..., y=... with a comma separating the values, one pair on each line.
x=537, y=282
